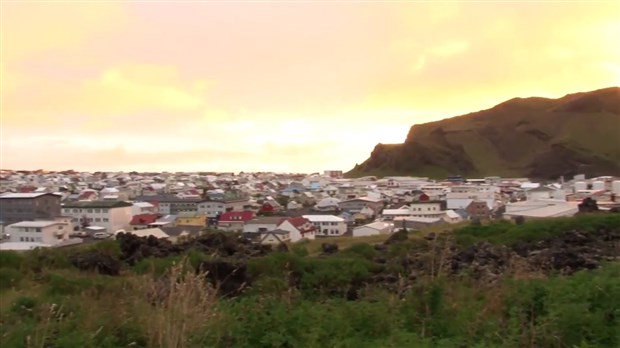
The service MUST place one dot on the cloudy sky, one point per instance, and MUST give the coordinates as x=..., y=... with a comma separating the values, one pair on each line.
x=277, y=86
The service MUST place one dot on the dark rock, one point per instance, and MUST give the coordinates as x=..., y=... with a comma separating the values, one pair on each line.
x=329, y=248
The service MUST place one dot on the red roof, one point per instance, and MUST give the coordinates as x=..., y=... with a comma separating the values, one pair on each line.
x=298, y=223
x=143, y=219
x=86, y=195
x=244, y=216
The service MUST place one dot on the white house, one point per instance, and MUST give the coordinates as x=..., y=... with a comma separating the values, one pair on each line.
x=372, y=229
x=140, y=208
x=262, y=224
x=426, y=209
x=298, y=228
x=328, y=225
x=48, y=232
x=452, y=217
x=541, y=192
x=113, y=215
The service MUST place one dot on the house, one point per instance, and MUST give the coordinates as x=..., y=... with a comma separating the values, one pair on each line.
x=478, y=209
x=328, y=204
x=262, y=224
x=328, y=225
x=298, y=227
x=372, y=229
x=270, y=206
x=139, y=208
x=171, y=204
x=368, y=212
x=357, y=204
x=142, y=221
x=452, y=217
x=293, y=205
x=113, y=215
x=191, y=219
x=48, y=232
x=16, y=207
x=274, y=237
x=212, y=209
x=427, y=209
x=233, y=221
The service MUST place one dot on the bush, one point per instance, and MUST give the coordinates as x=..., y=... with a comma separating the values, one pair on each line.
x=11, y=259
x=9, y=278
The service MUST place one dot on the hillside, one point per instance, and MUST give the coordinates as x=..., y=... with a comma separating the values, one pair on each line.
x=532, y=137
x=545, y=283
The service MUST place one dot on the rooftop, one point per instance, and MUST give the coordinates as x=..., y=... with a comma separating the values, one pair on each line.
x=323, y=218
x=35, y=224
x=97, y=204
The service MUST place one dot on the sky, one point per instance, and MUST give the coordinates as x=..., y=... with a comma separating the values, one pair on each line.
x=275, y=85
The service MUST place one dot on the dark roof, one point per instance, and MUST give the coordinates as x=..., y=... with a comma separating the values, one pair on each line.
x=278, y=231
x=97, y=204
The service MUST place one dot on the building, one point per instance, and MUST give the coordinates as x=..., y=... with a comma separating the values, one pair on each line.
x=212, y=209
x=143, y=208
x=142, y=221
x=262, y=224
x=299, y=228
x=112, y=215
x=373, y=229
x=233, y=221
x=16, y=207
x=172, y=204
x=478, y=209
x=358, y=204
x=191, y=219
x=328, y=225
x=48, y=232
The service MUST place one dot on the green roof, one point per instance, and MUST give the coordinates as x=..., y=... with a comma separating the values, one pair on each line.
x=97, y=204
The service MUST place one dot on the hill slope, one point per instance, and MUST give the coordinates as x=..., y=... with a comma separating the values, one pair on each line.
x=533, y=137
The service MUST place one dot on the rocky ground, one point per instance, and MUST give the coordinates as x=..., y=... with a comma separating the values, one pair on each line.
x=399, y=260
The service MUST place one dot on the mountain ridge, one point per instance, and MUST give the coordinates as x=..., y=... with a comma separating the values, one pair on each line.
x=534, y=137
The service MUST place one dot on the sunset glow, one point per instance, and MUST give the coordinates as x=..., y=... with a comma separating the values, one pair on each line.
x=275, y=86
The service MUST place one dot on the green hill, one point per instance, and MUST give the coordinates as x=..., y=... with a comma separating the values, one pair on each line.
x=532, y=137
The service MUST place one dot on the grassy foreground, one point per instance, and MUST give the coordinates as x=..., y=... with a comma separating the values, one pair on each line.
x=296, y=300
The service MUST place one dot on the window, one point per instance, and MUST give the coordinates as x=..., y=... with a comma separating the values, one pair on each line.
x=76, y=210
x=37, y=230
x=21, y=239
x=105, y=211
x=60, y=227
x=97, y=210
x=97, y=220
x=90, y=210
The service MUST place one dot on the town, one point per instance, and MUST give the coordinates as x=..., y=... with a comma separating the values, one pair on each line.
x=59, y=209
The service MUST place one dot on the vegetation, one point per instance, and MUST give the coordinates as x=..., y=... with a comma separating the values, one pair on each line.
x=532, y=137
x=53, y=298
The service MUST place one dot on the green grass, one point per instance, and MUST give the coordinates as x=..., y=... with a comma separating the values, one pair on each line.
x=505, y=232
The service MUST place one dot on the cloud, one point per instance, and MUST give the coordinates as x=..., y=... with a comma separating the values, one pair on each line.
x=449, y=49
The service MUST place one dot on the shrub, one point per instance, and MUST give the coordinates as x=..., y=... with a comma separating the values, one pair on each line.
x=9, y=278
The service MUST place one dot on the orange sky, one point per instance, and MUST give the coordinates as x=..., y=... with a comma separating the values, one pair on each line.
x=275, y=86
